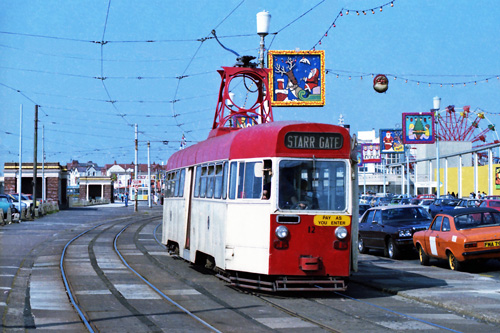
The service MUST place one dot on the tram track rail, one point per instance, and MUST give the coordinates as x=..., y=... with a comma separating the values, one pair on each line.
x=137, y=313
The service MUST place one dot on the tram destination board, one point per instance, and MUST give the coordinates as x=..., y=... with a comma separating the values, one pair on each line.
x=308, y=140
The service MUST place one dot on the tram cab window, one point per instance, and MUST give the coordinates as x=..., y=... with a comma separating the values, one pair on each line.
x=312, y=185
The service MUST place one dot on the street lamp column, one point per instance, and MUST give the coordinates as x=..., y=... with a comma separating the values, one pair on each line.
x=437, y=104
x=263, y=20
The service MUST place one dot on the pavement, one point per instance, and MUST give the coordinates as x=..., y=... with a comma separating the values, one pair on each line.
x=470, y=294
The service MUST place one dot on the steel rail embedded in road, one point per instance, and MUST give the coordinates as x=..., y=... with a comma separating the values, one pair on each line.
x=155, y=288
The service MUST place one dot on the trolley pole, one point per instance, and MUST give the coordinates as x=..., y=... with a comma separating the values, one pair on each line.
x=35, y=153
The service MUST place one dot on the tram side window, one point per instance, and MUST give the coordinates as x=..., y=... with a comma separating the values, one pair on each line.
x=210, y=181
x=224, y=180
x=197, y=183
x=170, y=185
x=218, y=181
x=182, y=178
x=232, y=180
x=249, y=184
x=203, y=186
x=176, y=183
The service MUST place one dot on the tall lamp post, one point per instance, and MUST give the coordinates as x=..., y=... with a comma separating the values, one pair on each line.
x=437, y=104
x=263, y=20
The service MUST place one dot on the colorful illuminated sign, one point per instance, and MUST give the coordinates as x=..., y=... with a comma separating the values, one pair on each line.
x=297, y=78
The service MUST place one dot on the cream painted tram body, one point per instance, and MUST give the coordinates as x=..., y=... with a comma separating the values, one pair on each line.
x=269, y=206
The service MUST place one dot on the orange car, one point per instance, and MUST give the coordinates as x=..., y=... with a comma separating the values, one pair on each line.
x=460, y=235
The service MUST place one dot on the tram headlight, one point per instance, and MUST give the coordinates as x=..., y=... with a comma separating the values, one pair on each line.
x=281, y=232
x=341, y=233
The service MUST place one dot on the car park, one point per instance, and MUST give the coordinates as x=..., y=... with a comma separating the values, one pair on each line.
x=390, y=228
x=490, y=203
x=459, y=236
x=442, y=205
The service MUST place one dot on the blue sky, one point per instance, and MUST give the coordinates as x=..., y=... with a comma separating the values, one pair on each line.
x=51, y=54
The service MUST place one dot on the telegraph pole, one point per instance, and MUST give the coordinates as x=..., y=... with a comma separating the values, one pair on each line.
x=149, y=180
x=35, y=153
x=20, y=180
x=136, y=169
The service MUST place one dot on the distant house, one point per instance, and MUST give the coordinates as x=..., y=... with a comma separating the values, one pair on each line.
x=122, y=174
x=77, y=170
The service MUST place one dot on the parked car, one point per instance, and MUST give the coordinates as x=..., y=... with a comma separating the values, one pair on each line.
x=395, y=201
x=14, y=199
x=362, y=209
x=460, y=235
x=495, y=204
x=426, y=203
x=426, y=196
x=365, y=199
x=5, y=204
x=380, y=201
x=468, y=203
x=442, y=205
x=495, y=197
x=391, y=228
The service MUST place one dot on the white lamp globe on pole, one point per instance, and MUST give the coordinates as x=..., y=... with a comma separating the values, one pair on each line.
x=263, y=20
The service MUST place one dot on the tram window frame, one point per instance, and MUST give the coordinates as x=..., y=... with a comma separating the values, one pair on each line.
x=170, y=184
x=176, y=183
x=225, y=179
x=182, y=180
x=197, y=183
x=219, y=173
x=233, y=177
x=242, y=180
x=203, y=184
x=327, y=188
x=210, y=181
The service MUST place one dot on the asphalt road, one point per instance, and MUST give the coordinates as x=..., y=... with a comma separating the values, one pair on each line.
x=29, y=254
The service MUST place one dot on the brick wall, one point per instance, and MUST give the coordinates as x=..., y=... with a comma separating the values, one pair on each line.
x=52, y=184
x=10, y=185
x=83, y=192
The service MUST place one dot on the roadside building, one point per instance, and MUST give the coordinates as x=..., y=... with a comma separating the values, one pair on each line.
x=52, y=180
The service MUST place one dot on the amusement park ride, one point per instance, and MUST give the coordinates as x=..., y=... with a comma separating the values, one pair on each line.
x=466, y=125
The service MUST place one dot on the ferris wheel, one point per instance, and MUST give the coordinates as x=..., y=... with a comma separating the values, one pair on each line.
x=464, y=124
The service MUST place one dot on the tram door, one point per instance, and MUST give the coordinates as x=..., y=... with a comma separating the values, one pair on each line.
x=189, y=197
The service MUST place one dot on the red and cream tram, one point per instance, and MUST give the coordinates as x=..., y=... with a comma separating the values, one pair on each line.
x=268, y=206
